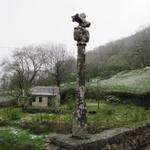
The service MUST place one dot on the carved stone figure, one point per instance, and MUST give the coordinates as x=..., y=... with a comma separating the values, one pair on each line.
x=81, y=35
x=80, y=18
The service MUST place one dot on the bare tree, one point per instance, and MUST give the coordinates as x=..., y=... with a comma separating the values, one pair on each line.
x=24, y=66
x=56, y=58
x=4, y=83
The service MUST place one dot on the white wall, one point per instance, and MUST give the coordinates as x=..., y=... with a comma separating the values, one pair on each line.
x=43, y=103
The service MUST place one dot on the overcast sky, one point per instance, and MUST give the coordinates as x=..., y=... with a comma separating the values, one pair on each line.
x=25, y=22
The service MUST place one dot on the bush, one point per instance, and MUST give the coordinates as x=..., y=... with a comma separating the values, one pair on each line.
x=42, y=118
x=90, y=93
x=9, y=140
x=3, y=121
x=70, y=93
x=67, y=93
x=12, y=113
x=25, y=101
x=70, y=103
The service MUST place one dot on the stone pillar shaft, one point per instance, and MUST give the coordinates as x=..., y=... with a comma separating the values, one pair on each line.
x=81, y=35
x=80, y=120
x=81, y=64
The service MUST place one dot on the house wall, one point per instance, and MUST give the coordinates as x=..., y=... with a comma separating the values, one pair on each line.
x=43, y=103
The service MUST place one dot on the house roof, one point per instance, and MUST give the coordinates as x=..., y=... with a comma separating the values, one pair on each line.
x=45, y=90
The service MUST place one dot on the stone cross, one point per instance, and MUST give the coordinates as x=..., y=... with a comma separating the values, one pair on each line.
x=81, y=35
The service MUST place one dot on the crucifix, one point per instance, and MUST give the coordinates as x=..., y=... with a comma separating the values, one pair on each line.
x=81, y=35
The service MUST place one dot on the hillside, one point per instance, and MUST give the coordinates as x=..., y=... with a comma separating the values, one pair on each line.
x=135, y=81
x=128, y=53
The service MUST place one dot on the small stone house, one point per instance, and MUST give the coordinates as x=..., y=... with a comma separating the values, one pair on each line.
x=45, y=95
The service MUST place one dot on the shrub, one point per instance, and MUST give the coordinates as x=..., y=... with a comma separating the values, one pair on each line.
x=20, y=141
x=67, y=93
x=25, y=101
x=42, y=118
x=12, y=113
x=70, y=103
x=3, y=121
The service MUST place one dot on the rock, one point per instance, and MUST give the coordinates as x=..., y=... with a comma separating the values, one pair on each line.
x=115, y=139
x=112, y=99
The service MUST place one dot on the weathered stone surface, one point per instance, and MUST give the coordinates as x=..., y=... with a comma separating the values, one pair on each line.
x=81, y=19
x=116, y=139
x=81, y=35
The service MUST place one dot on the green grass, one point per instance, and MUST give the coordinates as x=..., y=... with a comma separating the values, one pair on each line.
x=135, y=81
x=17, y=139
x=117, y=115
x=11, y=114
x=47, y=118
x=13, y=137
x=132, y=81
x=106, y=115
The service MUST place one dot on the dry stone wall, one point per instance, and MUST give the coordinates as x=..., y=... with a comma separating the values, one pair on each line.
x=116, y=139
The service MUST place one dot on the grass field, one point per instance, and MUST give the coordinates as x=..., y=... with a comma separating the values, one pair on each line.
x=135, y=81
x=132, y=81
x=117, y=115
x=13, y=123
x=107, y=114
x=12, y=138
x=18, y=128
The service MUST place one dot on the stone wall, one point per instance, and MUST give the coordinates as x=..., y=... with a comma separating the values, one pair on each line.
x=116, y=139
x=129, y=98
x=44, y=101
x=7, y=103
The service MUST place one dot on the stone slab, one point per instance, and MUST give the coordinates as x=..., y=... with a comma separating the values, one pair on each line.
x=115, y=139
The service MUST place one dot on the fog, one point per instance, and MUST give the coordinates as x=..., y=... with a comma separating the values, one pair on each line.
x=25, y=22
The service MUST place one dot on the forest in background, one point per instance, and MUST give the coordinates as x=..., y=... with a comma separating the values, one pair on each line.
x=129, y=53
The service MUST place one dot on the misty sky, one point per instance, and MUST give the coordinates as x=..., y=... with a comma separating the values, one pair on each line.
x=25, y=22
